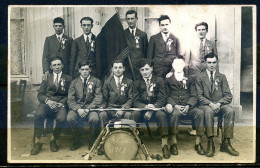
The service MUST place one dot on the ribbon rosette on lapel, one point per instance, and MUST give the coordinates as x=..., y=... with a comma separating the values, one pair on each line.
x=62, y=84
x=151, y=89
x=184, y=82
x=63, y=41
x=90, y=87
x=92, y=44
x=137, y=38
x=123, y=86
x=208, y=46
x=216, y=83
x=169, y=43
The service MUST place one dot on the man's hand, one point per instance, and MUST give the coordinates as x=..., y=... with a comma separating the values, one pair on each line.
x=82, y=112
x=215, y=107
x=59, y=105
x=169, y=74
x=185, y=110
x=52, y=104
x=119, y=113
x=45, y=75
x=169, y=108
x=151, y=106
x=148, y=115
x=179, y=107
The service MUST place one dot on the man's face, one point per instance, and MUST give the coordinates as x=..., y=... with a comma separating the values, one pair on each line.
x=86, y=26
x=178, y=65
x=146, y=71
x=58, y=27
x=85, y=71
x=56, y=66
x=131, y=20
x=211, y=63
x=164, y=25
x=201, y=31
x=118, y=69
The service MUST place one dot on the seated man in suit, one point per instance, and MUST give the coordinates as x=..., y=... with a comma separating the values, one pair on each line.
x=182, y=100
x=150, y=92
x=84, y=94
x=53, y=99
x=117, y=93
x=214, y=97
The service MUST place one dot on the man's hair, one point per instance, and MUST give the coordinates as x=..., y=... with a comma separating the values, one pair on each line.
x=179, y=57
x=56, y=58
x=143, y=62
x=119, y=61
x=202, y=24
x=58, y=20
x=131, y=12
x=86, y=18
x=163, y=17
x=210, y=55
x=84, y=63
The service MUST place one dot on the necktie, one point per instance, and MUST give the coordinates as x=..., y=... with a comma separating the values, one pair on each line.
x=202, y=51
x=59, y=39
x=84, y=88
x=148, y=84
x=133, y=33
x=87, y=42
x=118, y=85
x=211, y=79
x=56, y=82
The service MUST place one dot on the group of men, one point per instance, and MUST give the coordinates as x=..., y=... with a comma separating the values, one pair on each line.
x=168, y=85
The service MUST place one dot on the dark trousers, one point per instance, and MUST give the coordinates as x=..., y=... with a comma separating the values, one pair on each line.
x=41, y=113
x=108, y=115
x=227, y=112
x=160, y=117
x=76, y=123
x=195, y=114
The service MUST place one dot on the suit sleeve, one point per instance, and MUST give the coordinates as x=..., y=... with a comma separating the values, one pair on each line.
x=64, y=100
x=227, y=96
x=137, y=102
x=72, y=102
x=145, y=45
x=170, y=100
x=128, y=104
x=73, y=57
x=42, y=92
x=192, y=101
x=203, y=100
x=97, y=101
x=105, y=94
x=46, y=56
x=161, y=99
x=150, y=49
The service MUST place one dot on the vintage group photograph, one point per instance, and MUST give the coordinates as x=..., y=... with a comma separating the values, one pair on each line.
x=132, y=84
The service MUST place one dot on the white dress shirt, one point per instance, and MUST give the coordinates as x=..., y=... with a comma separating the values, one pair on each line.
x=165, y=36
x=117, y=79
x=132, y=30
x=89, y=37
x=208, y=72
x=55, y=76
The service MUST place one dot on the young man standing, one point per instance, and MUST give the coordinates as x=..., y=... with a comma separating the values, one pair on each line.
x=215, y=98
x=84, y=94
x=53, y=100
x=150, y=92
x=182, y=100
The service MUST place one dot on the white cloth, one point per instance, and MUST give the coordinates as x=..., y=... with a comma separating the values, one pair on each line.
x=55, y=76
x=132, y=30
x=59, y=36
x=89, y=37
x=117, y=79
x=208, y=72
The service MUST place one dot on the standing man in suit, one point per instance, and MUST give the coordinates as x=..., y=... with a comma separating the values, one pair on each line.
x=83, y=48
x=182, y=101
x=84, y=94
x=215, y=96
x=163, y=47
x=150, y=92
x=117, y=93
x=53, y=100
x=137, y=43
x=58, y=44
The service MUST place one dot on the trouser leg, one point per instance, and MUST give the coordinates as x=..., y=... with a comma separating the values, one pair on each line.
x=103, y=118
x=198, y=116
x=60, y=122
x=94, y=123
x=174, y=122
x=209, y=120
x=162, y=123
x=229, y=118
x=39, y=118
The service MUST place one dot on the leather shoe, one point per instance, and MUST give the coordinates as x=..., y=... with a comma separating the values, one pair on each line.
x=227, y=147
x=54, y=147
x=174, y=149
x=36, y=148
x=210, y=148
x=101, y=151
x=166, y=153
x=76, y=145
x=199, y=149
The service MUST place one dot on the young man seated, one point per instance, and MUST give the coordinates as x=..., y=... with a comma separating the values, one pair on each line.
x=214, y=97
x=117, y=93
x=150, y=92
x=181, y=101
x=84, y=94
x=52, y=96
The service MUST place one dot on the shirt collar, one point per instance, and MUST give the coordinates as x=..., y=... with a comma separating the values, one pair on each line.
x=203, y=41
x=120, y=78
x=59, y=35
x=55, y=75
x=83, y=78
x=89, y=36
x=145, y=79
x=165, y=36
x=132, y=30
x=179, y=76
x=208, y=72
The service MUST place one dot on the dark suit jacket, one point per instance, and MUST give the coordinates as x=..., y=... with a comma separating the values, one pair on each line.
x=80, y=52
x=136, y=54
x=162, y=58
x=53, y=48
x=178, y=94
x=140, y=95
x=111, y=96
x=220, y=93
x=93, y=97
x=48, y=89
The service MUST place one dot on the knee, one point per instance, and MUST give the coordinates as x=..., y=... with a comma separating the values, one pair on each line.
x=61, y=119
x=176, y=113
x=160, y=115
x=94, y=120
x=128, y=115
x=71, y=118
x=103, y=115
x=200, y=113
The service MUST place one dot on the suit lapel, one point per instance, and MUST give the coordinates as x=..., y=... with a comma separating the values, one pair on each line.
x=55, y=40
x=175, y=82
x=215, y=77
x=130, y=37
x=113, y=85
x=206, y=81
x=79, y=87
x=83, y=43
x=161, y=41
